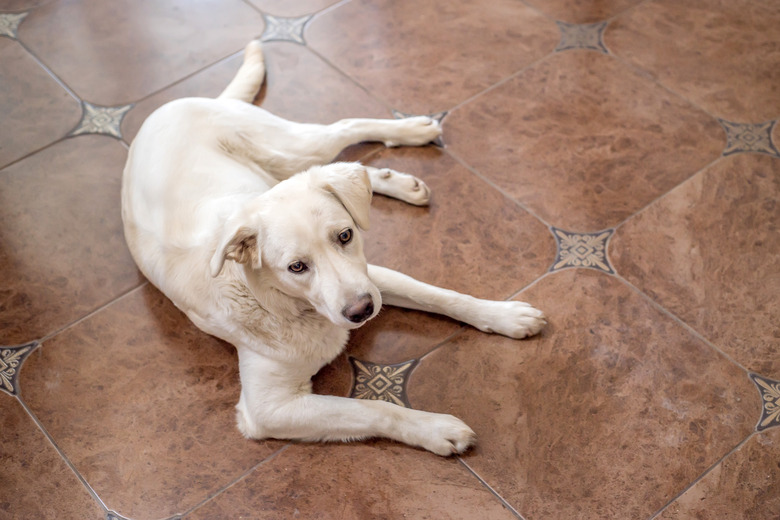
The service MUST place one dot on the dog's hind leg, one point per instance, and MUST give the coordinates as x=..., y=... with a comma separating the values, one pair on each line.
x=510, y=318
x=249, y=77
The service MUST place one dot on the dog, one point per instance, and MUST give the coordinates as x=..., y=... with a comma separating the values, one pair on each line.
x=242, y=220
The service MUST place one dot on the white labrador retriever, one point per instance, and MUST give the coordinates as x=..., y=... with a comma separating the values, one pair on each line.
x=218, y=217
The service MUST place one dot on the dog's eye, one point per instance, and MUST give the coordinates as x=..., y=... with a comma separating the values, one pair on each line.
x=345, y=236
x=297, y=267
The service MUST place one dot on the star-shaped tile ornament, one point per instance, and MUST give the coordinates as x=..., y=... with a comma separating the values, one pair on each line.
x=11, y=359
x=582, y=36
x=381, y=382
x=9, y=24
x=741, y=137
x=101, y=120
x=284, y=29
x=438, y=116
x=770, y=401
x=582, y=250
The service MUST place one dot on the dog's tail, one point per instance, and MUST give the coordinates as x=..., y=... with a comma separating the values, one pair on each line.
x=249, y=77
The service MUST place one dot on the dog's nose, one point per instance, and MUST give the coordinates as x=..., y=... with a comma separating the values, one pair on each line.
x=359, y=311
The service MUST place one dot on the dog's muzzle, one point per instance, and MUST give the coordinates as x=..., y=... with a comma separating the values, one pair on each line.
x=359, y=311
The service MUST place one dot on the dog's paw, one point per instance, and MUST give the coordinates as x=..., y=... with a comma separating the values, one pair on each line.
x=401, y=186
x=415, y=131
x=445, y=435
x=513, y=319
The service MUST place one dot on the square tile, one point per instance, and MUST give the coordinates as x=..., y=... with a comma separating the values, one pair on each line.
x=582, y=140
x=610, y=412
x=380, y=480
x=116, y=53
x=425, y=57
x=36, y=109
x=63, y=253
x=710, y=253
x=37, y=482
x=723, y=55
x=142, y=403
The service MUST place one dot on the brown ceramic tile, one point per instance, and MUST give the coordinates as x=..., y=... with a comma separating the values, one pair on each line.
x=743, y=486
x=582, y=140
x=394, y=336
x=299, y=86
x=582, y=11
x=114, y=53
x=609, y=413
x=376, y=480
x=710, y=253
x=292, y=9
x=142, y=403
x=63, y=252
x=37, y=482
x=471, y=239
x=425, y=57
x=724, y=55
x=36, y=110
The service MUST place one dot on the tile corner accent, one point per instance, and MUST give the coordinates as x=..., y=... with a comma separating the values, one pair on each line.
x=9, y=24
x=101, y=120
x=437, y=116
x=582, y=250
x=278, y=28
x=11, y=359
x=770, y=401
x=588, y=36
x=747, y=137
x=381, y=382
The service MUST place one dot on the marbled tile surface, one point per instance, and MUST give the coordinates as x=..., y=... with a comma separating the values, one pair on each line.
x=687, y=250
x=63, y=252
x=582, y=140
x=441, y=56
x=613, y=163
x=609, y=413
x=723, y=55
x=135, y=391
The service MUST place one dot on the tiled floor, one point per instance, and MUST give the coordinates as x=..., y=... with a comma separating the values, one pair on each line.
x=615, y=163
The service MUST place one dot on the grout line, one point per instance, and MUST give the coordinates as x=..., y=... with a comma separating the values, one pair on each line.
x=67, y=461
x=644, y=208
x=91, y=313
x=496, y=187
x=702, y=476
x=680, y=321
x=490, y=488
x=50, y=72
x=243, y=476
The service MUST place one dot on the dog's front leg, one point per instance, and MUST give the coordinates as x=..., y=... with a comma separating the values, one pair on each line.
x=276, y=402
x=510, y=318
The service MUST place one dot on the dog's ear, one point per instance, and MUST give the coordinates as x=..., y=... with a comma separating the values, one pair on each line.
x=350, y=184
x=240, y=244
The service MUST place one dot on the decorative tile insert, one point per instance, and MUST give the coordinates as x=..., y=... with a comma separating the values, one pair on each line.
x=582, y=36
x=582, y=250
x=9, y=24
x=381, y=382
x=284, y=29
x=11, y=359
x=438, y=116
x=770, y=395
x=101, y=120
x=749, y=138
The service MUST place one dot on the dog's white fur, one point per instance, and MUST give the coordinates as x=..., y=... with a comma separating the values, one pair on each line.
x=216, y=215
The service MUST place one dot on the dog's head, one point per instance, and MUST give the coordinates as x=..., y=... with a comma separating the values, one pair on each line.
x=303, y=238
